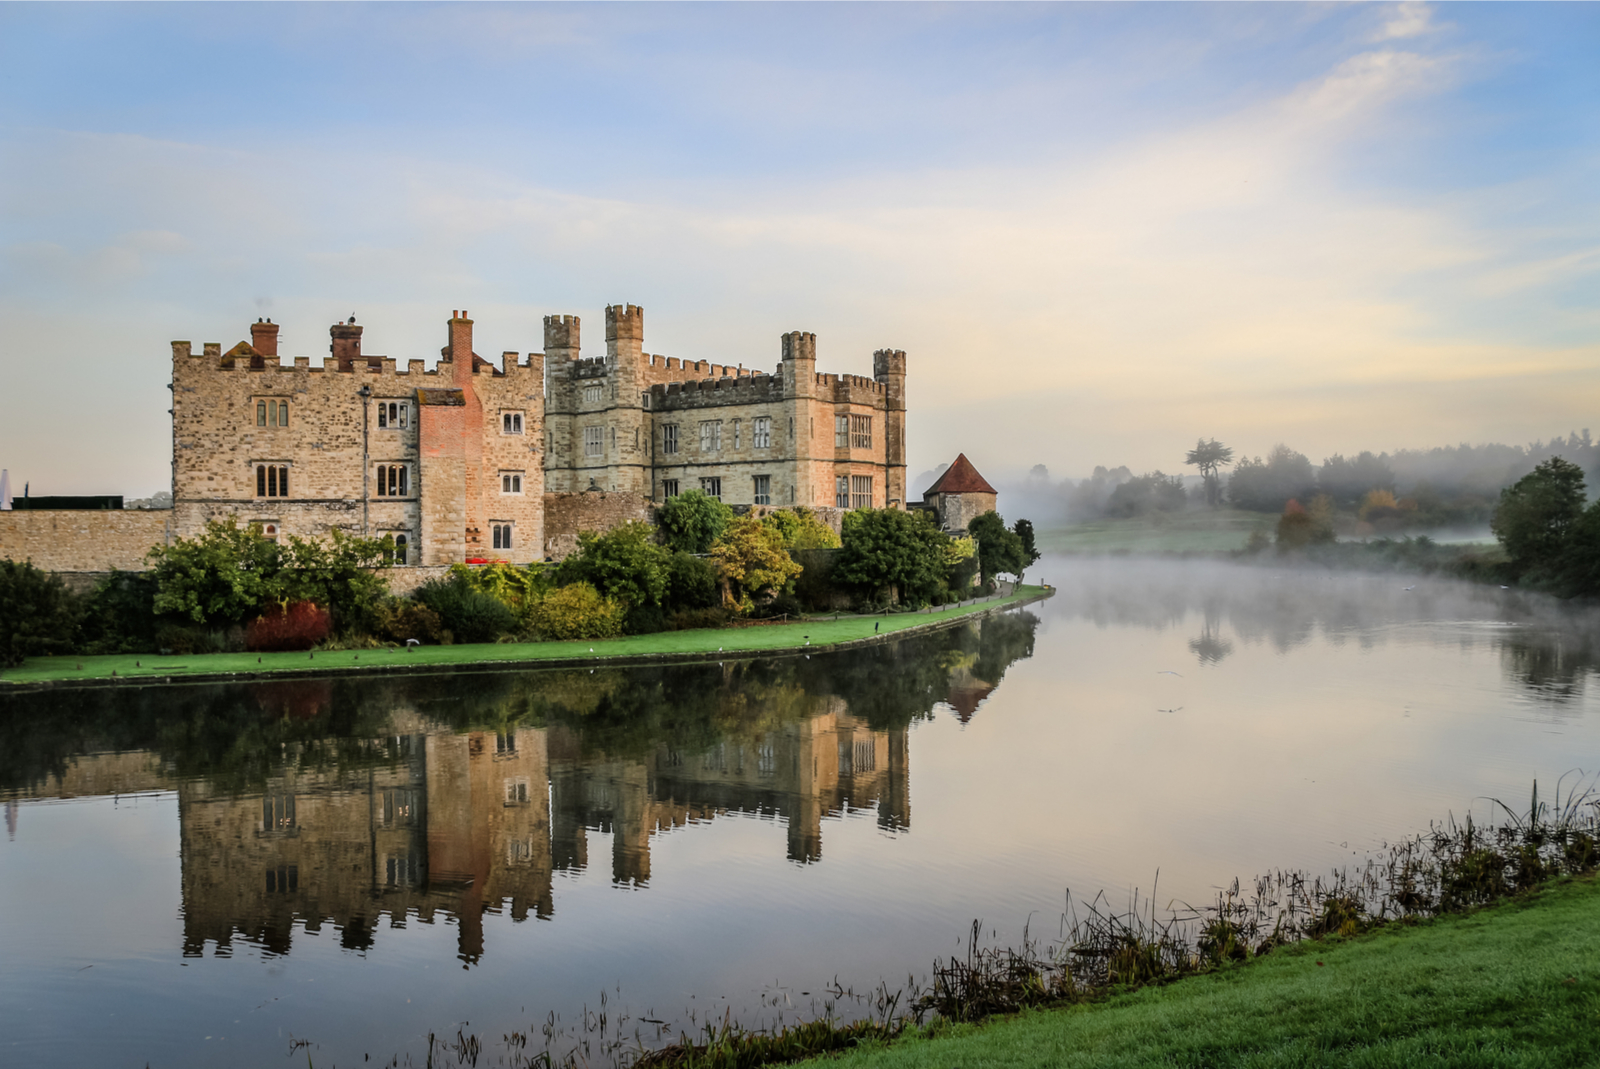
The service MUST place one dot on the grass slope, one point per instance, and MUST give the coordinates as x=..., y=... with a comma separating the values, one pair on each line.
x=1196, y=530
x=1516, y=985
x=821, y=633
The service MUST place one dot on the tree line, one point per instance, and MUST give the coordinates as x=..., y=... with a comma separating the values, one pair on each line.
x=699, y=565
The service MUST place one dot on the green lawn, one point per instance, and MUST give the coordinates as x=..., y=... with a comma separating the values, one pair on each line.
x=1514, y=985
x=821, y=633
x=1197, y=530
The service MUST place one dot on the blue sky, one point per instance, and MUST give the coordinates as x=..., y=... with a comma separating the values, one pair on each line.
x=1100, y=231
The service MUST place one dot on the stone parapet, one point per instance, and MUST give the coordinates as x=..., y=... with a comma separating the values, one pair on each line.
x=83, y=541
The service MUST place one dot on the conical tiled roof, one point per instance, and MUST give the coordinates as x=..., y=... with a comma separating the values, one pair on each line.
x=960, y=478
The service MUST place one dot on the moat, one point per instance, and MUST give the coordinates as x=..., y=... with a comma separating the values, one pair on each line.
x=201, y=875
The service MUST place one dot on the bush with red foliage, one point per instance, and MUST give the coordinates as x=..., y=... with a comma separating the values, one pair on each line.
x=300, y=627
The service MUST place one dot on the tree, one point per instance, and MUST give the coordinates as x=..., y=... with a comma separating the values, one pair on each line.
x=221, y=576
x=1030, y=552
x=1155, y=492
x=999, y=550
x=1209, y=457
x=1267, y=485
x=1347, y=481
x=623, y=564
x=752, y=562
x=338, y=575
x=801, y=529
x=578, y=611
x=1536, y=514
x=690, y=522
x=38, y=614
x=894, y=551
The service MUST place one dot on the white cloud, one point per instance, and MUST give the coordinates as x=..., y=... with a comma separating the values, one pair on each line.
x=1406, y=20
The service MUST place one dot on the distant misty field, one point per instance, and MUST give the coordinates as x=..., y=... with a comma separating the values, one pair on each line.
x=1195, y=531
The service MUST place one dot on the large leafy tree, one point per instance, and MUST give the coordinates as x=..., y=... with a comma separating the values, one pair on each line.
x=1268, y=485
x=752, y=562
x=999, y=550
x=221, y=576
x=38, y=614
x=690, y=522
x=894, y=551
x=1537, y=513
x=1210, y=457
x=801, y=529
x=343, y=575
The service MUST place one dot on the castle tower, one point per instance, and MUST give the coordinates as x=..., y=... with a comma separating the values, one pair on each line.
x=627, y=446
x=799, y=371
x=889, y=368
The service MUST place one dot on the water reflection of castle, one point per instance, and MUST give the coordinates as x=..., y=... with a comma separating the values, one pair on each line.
x=466, y=823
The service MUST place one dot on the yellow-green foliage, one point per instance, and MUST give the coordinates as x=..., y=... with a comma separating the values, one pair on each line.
x=517, y=588
x=576, y=611
x=959, y=549
x=752, y=562
x=801, y=529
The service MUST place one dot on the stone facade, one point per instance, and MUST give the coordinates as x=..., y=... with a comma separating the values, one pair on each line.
x=959, y=496
x=472, y=461
x=446, y=461
x=656, y=426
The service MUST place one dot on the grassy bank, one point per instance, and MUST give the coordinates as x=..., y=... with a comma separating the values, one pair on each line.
x=1193, y=531
x=819, y=633
x=1517, y=984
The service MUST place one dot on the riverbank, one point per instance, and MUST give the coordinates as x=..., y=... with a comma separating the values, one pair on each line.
x=1511, y=984
x=801, y=636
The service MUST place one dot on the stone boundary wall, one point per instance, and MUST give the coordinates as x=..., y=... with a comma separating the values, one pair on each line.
x=568, y=515
x=67, y=540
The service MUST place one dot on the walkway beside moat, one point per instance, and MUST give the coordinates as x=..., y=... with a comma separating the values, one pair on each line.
x=810, y=635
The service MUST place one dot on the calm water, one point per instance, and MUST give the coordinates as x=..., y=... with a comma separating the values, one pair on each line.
x=198, y=876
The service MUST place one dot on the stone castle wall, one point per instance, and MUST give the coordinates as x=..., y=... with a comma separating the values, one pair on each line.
x=61, y=540
x=568, y=515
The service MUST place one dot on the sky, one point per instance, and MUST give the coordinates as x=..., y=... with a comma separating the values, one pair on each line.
x=1099, y=231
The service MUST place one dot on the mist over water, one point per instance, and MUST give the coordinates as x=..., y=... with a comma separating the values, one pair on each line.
x=357, y=862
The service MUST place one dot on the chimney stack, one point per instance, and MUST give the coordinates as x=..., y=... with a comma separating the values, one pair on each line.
x=264, y=337
x=346, y=347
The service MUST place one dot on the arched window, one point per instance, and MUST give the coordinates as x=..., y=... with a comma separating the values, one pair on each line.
x=401, y=544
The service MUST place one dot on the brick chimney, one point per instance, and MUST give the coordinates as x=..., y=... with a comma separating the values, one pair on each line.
x=264, y=337
x=459, y=351
x=346, y=347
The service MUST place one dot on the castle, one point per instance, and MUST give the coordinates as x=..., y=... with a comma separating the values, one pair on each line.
x=476, y=461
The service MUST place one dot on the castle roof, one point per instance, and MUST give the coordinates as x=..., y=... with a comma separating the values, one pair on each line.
x=960, y=478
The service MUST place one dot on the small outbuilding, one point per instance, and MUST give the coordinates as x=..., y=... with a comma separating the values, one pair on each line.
x=959, y=496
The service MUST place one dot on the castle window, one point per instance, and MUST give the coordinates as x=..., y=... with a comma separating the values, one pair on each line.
x=394, y=415
x=763, y=433
x=669, y=488
x=401, y=547
x=841, y=492
x=860, y=491
x=669, y=438
x=277, y=812
x=269, y=531
x=393, y=480
x=591, y=394
x=841, y=431
x=763, y=489
x=593, y=441
x=511, y=423
x=861, y=432
x=517, y=791
x=272, y=413
x=736, y=434
x=711, y=436
x=401, y=870
x=272, y=480
x=502, y=535
x=511, y=482
x=712, y=487
x=283, y=879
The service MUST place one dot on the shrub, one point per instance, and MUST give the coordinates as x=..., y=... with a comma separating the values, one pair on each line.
x=221, y=576
x=577, y=611
x=623, y=564
x=399, y=619
x=751, y=560
x=120, y=616
x=691, y=583
x=38, y=614
x=889, y=550
x=469, y=615
x=299, y=627
x=801, y=529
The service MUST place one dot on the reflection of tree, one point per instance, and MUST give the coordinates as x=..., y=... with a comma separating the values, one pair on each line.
x=1554, y=668
x=1210, y=648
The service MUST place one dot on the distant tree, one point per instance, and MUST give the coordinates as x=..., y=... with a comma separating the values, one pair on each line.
x=1154, y=492
x=1209, y=457
x=999, y=550
x=1268, y=485
x=38, y=614
x=1039, y=471
x=1347, y=481
x=690, y=522
x=1536, y=514
x=752, y=563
